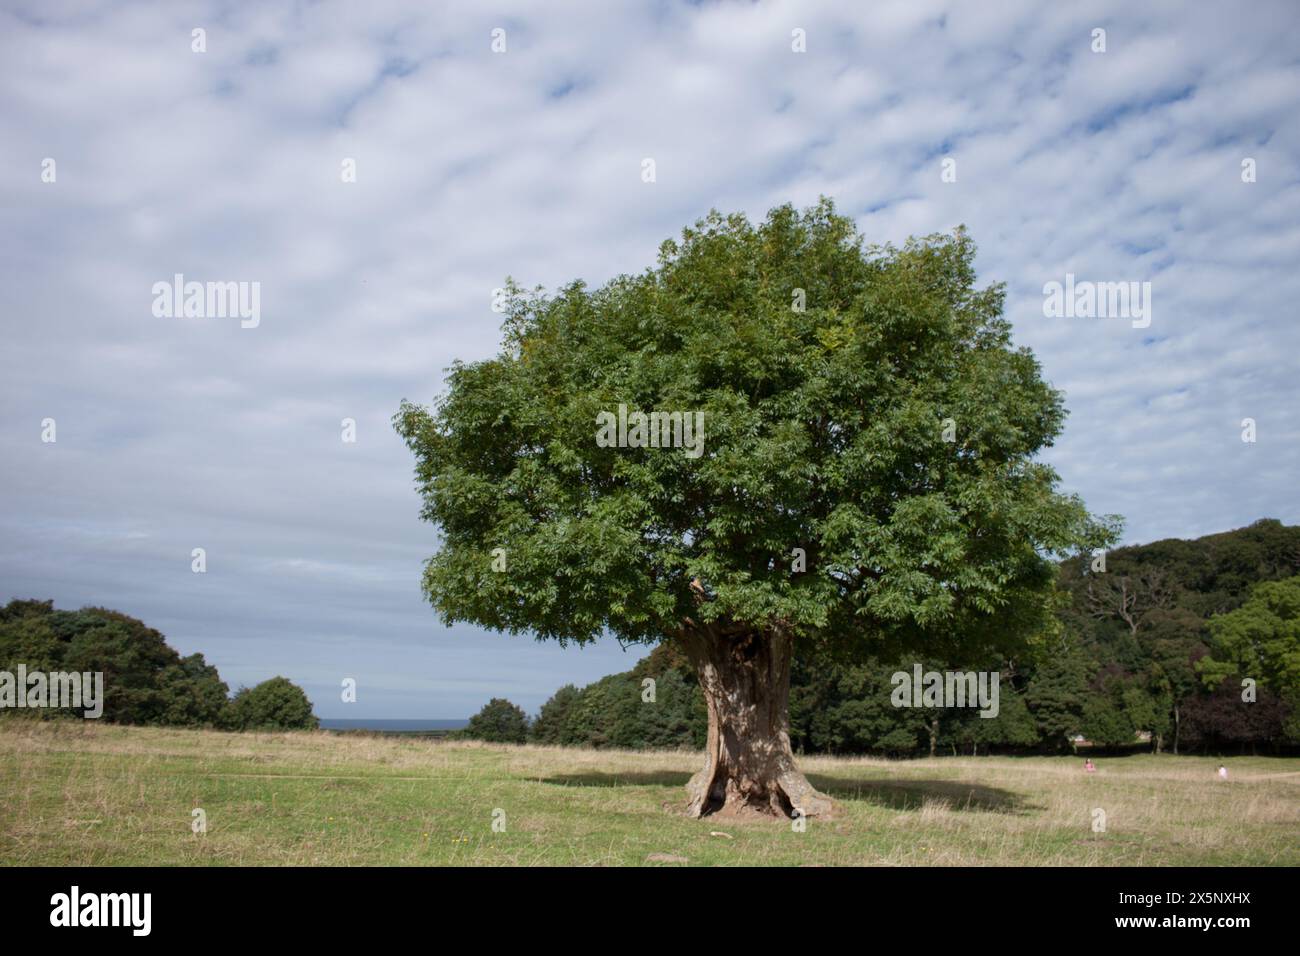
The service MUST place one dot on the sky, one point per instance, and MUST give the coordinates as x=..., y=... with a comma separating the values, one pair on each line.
x=1169, y=157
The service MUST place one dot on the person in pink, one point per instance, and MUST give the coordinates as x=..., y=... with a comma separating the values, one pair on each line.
x=1088, y=767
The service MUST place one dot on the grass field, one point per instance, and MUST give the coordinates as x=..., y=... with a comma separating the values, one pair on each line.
x=91, y=794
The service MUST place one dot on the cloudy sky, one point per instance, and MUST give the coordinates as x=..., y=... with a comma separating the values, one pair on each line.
x=471, y=165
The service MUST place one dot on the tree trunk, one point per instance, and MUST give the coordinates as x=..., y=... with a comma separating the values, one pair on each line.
x=1176, y=729
x=748, y=763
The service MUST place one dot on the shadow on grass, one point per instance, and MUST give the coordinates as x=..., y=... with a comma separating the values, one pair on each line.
x=913, y=794
x=659, y=778
x=893, y=794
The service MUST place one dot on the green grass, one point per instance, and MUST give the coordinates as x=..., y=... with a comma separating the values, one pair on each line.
x=94, y=794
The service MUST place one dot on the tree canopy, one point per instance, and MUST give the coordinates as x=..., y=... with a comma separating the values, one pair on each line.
x=499, y=722
x=146, y=681
x=863, y=405
x=274, y=704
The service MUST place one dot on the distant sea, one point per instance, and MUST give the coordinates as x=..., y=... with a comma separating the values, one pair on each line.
x=391, y=726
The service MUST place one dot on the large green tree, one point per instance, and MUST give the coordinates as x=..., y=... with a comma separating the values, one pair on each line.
x=866, y=480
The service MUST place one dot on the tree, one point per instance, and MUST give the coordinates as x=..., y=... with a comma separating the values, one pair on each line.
x=275, y=704
x=1057, y=693
x=838, y=707
x=499, y=722
x=1013, y=726
x=193, y=692
x=1106, y=721
x=674, y=717
x=1220, y=719
x=145, y=680
x=1105, y=724
x=1172, y=642
x=1260, y=640
x=1129, y=597
x=548, y=728
x=1148, y=708
x=844, y=454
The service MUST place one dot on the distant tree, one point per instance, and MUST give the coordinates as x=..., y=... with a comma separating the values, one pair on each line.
x=145, y=680
x=623, y=710
x=275, y=704
x=1057, y=693
x=193, y=693
x=1013, y=727
x=548, y=728
x=27, y=636
x=674, y=717
x=1105, y=722
x=1260, y=640
x=1172, y=642
x=499, y=722
x=847, y=708
x=1130, y=597
x=1148, y=709
x=1220, y=720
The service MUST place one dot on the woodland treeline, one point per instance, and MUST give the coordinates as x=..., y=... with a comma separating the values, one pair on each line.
x=1183, y=646
x=146, y=681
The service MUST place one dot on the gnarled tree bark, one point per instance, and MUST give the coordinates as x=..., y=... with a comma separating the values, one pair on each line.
x=749, y=766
